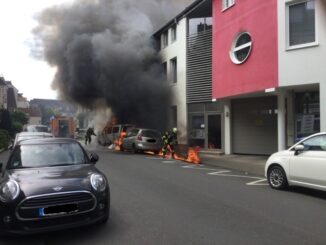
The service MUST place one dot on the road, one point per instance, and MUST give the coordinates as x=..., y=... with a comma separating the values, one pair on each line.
x=156, y=201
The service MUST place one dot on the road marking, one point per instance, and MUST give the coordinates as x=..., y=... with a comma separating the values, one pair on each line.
x=199, y=167
x=258, y=182
x=220, y=172
x=155, y=158
x=169, y=161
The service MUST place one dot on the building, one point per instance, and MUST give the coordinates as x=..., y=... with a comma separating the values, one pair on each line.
x=8, y=95
x=185, y=47
x=268, y=72
x=249, y=80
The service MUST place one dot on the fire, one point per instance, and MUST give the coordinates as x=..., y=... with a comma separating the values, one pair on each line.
x=118, y=142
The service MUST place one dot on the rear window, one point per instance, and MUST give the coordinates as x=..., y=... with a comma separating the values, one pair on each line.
x=151, y=133
x=47, y=155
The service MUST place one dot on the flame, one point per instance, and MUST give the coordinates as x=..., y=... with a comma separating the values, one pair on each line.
x=118, y=142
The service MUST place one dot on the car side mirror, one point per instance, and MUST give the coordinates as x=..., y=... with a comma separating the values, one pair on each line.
x=10, y=147
x=93, y=157
x=1, y=165
x=298, y=149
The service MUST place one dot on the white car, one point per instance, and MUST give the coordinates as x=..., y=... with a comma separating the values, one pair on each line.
x=303, y=164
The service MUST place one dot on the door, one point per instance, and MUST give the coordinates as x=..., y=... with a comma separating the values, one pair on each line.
x=214, y=135
x=309, y=166
x=197, y=130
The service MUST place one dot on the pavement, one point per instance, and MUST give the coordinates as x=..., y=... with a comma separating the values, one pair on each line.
x=252, y=164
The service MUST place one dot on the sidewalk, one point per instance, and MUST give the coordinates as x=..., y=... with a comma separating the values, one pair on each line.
x=244, y=163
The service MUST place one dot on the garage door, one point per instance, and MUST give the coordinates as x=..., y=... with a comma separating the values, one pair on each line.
x=254, y=125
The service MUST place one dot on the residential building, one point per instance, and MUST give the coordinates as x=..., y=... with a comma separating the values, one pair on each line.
x=268, y=72
x=186, y=53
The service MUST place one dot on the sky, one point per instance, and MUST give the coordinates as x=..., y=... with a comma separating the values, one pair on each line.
x=31, y=77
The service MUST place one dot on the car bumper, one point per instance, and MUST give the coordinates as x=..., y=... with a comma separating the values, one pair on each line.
x=148, y=147
x=62, y=222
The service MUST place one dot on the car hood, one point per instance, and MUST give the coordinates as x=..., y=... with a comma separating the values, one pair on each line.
x=44, y=180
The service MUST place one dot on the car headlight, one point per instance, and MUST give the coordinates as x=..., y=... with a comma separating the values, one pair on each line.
x=9, y=191
x=98, y=182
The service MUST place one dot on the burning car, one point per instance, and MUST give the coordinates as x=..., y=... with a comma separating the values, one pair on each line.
x=51, y=184
x=140, y=139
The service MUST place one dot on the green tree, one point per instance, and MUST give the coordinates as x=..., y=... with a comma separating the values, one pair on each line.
x=17, y=127
x=4, y=139
x=19, y=117
x=5, y=120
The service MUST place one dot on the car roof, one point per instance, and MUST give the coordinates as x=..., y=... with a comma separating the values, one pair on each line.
x=47, y=141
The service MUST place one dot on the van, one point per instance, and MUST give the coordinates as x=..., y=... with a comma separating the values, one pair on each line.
x=111, y=133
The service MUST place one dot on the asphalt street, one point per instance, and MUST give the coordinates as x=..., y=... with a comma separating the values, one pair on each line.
x=162, y=201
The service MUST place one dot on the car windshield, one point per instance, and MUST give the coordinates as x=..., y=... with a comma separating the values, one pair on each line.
x=47, y=155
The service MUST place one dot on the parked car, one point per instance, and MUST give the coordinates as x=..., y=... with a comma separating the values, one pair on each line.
x=140, y=139
x=110, y=134
x=29, y=135
x=37, y=128
x=51, y=184
x=303, y=164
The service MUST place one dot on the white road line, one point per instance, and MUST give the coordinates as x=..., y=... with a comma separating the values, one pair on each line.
x=258, y=182
x=199, y=167
x=155, y=158
x=234, y=175
x=219, y=172
x=169, y=161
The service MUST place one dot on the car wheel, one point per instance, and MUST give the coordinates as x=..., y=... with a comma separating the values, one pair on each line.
x=277, y=178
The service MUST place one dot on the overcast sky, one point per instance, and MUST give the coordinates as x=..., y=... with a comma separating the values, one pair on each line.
x=31, y=77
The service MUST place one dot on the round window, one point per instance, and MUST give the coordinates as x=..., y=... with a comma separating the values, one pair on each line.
x=241, y=48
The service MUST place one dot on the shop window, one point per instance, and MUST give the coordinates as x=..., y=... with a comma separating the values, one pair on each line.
x=301, y=23
x=307, y=114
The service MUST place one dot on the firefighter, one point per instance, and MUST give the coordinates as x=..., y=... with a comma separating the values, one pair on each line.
x=88, y=135
x=170, y=141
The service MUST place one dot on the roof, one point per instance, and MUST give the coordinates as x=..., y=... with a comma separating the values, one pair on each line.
x=186, y=11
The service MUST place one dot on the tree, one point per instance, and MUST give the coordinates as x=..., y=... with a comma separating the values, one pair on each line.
x=5, y=120
x=19, y=117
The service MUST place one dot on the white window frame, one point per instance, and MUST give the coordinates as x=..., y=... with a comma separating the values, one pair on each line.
x=226, y=4
x=234, y=49
x=287, y=29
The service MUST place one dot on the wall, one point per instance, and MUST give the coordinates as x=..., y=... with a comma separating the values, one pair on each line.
x=306, y=65
x=259, y=72
x=178, y=90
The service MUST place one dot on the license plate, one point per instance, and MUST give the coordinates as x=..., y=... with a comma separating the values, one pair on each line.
x=58, y=210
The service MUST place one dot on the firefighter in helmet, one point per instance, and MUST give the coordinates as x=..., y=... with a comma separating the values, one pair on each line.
x=88, y=135
x=170, y=141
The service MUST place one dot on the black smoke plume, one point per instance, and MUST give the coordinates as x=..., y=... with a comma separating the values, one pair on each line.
x=102, y=50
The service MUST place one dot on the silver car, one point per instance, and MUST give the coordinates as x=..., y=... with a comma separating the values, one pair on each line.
x=139, y=140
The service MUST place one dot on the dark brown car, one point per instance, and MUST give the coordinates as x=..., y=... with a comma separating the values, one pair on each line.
x=51, y=184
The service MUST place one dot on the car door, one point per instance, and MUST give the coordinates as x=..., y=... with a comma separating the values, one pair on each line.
x=130, y=139
x=309, y=166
